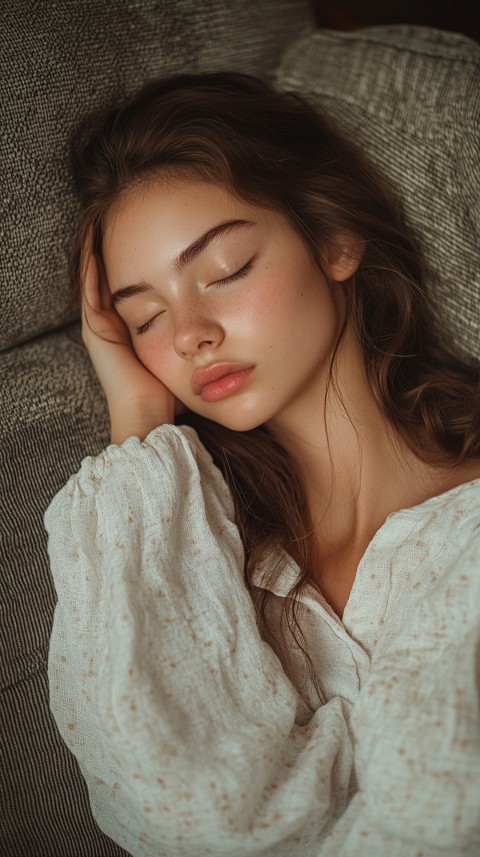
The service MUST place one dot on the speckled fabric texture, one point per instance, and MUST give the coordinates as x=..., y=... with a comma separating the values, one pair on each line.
x=60, y=60
x=190, y=736
x=410, y=98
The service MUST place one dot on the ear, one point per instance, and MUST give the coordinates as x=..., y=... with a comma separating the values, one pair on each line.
x=341, y=254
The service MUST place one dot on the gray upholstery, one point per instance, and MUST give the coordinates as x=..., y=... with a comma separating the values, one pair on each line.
x=409, y=97
x=52, y=415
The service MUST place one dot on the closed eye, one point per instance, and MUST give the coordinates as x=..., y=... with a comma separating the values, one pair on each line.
x=144, y=327
x=242, y=272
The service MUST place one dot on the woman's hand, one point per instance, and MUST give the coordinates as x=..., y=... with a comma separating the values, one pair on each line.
x=137, y=401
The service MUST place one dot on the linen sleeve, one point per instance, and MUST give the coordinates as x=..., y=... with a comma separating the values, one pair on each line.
x=416, y=728
x=180, y=716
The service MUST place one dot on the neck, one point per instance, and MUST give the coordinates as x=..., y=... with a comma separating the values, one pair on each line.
x=354, y=467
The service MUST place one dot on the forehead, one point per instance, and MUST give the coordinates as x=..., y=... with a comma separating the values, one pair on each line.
x=169, y=214
x=174, y=200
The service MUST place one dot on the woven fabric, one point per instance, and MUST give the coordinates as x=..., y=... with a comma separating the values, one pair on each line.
x=52, y=412
x=191, y=737
x=61, y=59
x=410, y=98
x=45, y=809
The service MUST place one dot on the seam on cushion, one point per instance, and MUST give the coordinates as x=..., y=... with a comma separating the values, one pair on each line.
x=299, y=48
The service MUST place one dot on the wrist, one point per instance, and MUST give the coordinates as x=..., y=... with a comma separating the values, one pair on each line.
x=129, y=419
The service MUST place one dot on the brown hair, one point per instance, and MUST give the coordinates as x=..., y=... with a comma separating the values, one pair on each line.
x=274, y=149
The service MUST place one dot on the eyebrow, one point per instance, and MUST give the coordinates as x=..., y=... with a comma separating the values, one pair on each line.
x=185, y=257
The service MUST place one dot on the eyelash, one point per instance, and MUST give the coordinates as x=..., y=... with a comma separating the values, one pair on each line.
x=236, y=276
x=230, y=279
x=144, y=327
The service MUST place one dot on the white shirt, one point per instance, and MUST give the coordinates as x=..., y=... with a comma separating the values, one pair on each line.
x=190, y=736
x=407, y=555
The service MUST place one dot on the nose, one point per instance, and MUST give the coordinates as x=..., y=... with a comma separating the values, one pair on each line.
x=192, y=335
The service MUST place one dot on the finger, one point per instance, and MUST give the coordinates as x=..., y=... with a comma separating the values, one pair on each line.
x=91, y=294
x=103, y=288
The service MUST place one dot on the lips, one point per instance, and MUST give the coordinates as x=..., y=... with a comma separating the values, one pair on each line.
x=215, y=372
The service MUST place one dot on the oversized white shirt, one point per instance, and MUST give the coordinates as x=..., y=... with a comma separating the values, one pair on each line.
x=190, y=736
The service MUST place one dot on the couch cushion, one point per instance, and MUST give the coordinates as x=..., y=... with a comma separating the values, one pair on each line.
x=61, y=59
x=53, y=415
x=45, y=807
x=410, y=98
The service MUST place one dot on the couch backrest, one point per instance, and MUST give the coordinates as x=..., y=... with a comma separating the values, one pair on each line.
x=59, y=60
x=409, y=97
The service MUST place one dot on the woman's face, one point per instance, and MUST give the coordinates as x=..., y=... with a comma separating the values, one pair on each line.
x=223, y=301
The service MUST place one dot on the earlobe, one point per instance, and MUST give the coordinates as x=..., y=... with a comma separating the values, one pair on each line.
x=342, y=255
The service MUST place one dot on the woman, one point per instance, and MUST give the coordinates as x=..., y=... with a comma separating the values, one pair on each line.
x=245, y=274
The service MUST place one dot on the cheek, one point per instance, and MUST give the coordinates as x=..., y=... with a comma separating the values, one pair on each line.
x=267, y=303
x=155, y=356
x=282, y=304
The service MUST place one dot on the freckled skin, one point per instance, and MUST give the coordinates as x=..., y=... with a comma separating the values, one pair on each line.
x=281, y=317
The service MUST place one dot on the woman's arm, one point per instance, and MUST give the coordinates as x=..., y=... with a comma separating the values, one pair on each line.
x=181, y=717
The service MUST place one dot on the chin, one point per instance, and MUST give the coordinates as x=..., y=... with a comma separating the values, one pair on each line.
x=235, y=419
x=240, y=425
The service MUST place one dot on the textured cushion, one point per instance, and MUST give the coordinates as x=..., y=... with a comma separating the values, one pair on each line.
x=53, y=414
x=410, y=98
x=61, y=59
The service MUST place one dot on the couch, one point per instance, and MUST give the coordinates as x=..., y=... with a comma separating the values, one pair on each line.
x=409, y=96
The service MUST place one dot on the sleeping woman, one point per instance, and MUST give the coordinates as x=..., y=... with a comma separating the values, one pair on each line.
x=267, y=630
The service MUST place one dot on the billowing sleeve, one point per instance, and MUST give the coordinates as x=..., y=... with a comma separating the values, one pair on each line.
x=416, y=728
x=180, y=716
